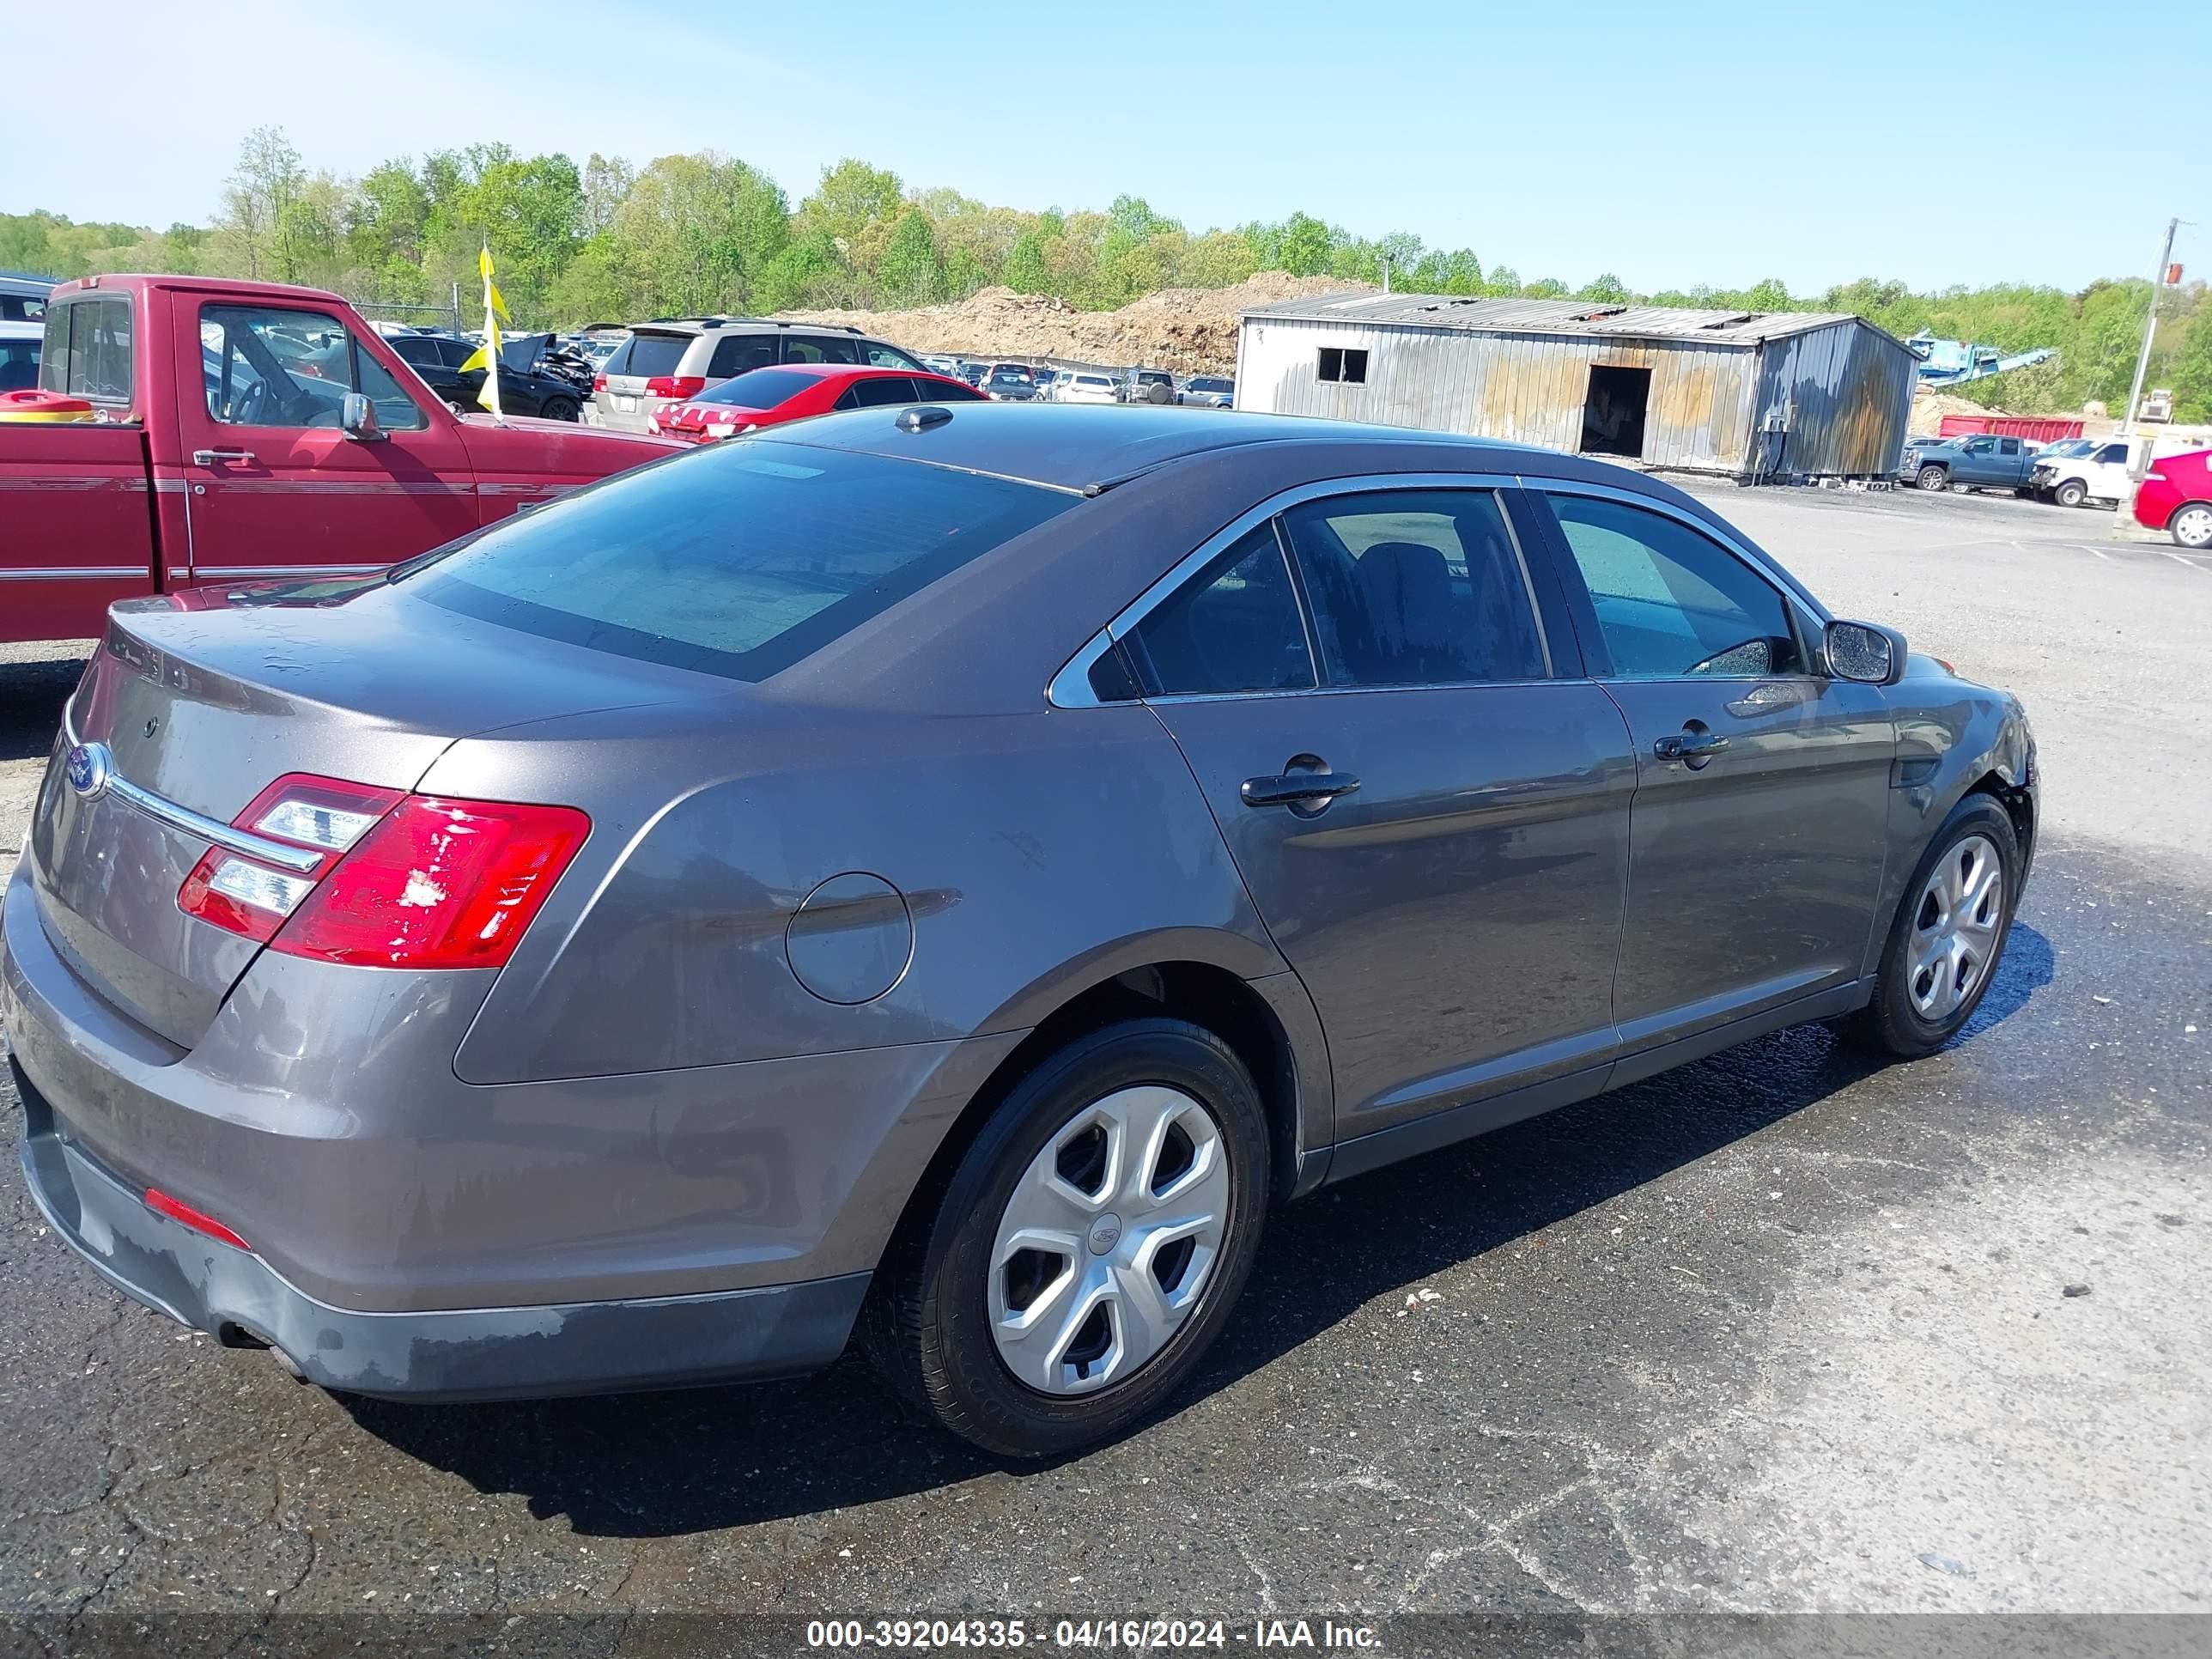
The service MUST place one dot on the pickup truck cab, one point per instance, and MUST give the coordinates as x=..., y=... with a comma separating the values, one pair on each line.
x=1985, y=460
x=242, y=430
x=2103, y=472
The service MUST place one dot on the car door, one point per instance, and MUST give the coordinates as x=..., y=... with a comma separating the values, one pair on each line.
x=2107, y=474
x=275, y=488
x=1762, y=796
x=1429, y=809
x=2010, y=468
x=1977, y=461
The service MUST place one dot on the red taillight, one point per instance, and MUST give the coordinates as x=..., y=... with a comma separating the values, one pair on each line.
x=675, y=385
x=399, y=881
x=437, y=884
x=598, y=383
x=198, y=1220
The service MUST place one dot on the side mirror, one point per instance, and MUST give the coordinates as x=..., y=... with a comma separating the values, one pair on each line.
x=357, y=418
x=1864, y=652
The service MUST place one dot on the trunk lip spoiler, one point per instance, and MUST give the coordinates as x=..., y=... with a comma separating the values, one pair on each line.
x=297, y=859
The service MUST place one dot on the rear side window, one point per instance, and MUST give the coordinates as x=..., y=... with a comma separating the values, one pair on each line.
x=1416, y=588
x=88, y=350
x=1673, y=603
x=878, y=392
x=763, y=388
x=820, y=348
x=740, y=559
x=736, y=353
x=1232, y=627
x=652, y=355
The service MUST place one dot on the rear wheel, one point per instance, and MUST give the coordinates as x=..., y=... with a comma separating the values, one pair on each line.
x=1949, y=935
x=2072, y=493
x=1933, y=478
x=1087, y=1248
x=2192, y=525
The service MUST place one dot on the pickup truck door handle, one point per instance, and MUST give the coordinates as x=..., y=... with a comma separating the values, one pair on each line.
x=209, y=457
x=1289, y=788
x=1692, y=746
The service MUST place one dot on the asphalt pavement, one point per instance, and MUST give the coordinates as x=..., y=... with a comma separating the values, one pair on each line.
x=1778, y=1333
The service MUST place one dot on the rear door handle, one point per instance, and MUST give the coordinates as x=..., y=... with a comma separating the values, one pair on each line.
x=1289, y=788
x=1690, y=747
x=209, y=457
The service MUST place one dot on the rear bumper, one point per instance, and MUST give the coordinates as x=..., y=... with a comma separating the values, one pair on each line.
x=478, y=1353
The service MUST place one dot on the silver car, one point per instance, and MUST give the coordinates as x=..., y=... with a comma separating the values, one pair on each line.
x=671, y=362
x=941, y=877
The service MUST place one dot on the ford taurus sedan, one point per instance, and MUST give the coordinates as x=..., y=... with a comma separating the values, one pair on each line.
x=944, y=875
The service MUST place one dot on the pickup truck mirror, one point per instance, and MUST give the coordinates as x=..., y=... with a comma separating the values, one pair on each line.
x=1865, y=652
x=357, y=418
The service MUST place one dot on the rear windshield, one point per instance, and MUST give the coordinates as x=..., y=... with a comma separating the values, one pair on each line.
x=761, y=388
x=655, y=354
x=739, y=560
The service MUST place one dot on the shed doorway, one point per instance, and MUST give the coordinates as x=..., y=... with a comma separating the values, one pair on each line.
x=1612, y=413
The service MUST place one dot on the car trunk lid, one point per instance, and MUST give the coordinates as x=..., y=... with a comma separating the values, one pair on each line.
x=204, y=700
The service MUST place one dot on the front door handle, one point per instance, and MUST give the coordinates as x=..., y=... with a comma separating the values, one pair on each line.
x=1294, y=788
x=209, y=457
x=1692, y=746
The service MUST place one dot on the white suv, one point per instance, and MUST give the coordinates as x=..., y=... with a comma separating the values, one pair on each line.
x=674, y=360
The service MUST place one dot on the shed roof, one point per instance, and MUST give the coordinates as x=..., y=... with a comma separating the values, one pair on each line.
x=1556, y=317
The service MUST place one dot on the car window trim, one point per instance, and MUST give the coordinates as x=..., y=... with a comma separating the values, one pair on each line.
x=1597, y=655
x=1070, y=688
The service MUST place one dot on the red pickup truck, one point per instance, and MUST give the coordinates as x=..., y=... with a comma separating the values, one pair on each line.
x=246, y=429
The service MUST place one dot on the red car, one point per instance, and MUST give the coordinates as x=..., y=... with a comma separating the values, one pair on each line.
x=790, y=392
x=2176, y=497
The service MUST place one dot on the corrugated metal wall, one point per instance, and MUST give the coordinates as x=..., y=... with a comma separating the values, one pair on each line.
x=1849, y=390
x=1844, y=393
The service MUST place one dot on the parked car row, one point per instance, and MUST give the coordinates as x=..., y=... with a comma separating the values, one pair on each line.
x=2174, y=495
x=770, y=396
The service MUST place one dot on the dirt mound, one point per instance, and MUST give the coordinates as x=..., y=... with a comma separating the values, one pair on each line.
x=1191, y=331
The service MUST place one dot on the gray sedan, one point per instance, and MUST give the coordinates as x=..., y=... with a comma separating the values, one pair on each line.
x=944, y=876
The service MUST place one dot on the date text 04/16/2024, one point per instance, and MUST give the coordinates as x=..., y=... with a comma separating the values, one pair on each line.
x=1088, y=1634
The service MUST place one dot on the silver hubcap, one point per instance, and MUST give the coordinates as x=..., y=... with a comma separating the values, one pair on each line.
x=1954, y=931
x=1107, y=1241
x=2193, y=526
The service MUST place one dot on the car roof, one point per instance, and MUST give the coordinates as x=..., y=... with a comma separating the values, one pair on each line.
x=1087, y=446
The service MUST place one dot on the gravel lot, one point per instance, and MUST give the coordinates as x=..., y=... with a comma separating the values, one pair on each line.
x=1776, y=1333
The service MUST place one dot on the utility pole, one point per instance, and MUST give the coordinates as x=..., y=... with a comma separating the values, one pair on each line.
x=2150, y=327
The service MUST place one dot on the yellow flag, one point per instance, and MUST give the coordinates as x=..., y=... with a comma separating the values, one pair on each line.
x=487, y=357
x=476, y=359
x=484, y=262
x=496, y=302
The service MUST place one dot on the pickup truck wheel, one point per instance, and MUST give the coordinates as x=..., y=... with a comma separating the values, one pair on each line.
x=2072, y=493
x=1933, y=478
x=2191, y=526
x=557, y=409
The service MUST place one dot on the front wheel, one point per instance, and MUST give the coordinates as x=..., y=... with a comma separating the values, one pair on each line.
x=1949, y=935
x=558, y=409
x=2192, y=525
x=1087, y=1248
x=2072, y=493
x=1933, y=478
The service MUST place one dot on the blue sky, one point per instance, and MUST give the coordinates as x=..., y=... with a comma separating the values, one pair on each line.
x=1670, y=143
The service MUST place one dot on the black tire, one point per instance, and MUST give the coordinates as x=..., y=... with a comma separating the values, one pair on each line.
x=1933, y=478
x=2072, y=493
x=1889, y=1025
x=926, y=1326
x=558, y=409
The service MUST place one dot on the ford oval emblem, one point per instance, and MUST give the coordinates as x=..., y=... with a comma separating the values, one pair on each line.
x=90, y=767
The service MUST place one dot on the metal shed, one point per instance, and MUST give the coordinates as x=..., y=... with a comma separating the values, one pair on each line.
x=1765, y=396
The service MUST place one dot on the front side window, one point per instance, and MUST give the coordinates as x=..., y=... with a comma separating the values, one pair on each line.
x=739, y=560
x=1671, y=602
x=269, y=367
x=2112, y=453
x=1234, y=626
x=87, y=350
x=877, y=355
x=1416, y=588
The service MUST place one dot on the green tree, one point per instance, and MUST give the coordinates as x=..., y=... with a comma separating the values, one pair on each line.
x=1607, y=289
x=1026, y=272
x=1303, y=246
x=912, y=271
x=268, y=176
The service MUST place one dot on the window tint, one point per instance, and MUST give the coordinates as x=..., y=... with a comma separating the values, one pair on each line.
x=820, y=348
x=453, y=353
x=653, y=355
x=2008, y=445
x=1415, y=587
x=948, y=391
x=275, y=366
x=736, y=353
x=877, y=355
x=763, y=388
x=416, y=349
x=879, y=392
x=2113, y=453
x=740, y=562
x=1670, y=601
x=1234, y=626
x=1980, y=446
x=87, y=352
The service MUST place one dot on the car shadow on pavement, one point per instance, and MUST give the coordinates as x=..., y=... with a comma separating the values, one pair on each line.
x=31, y=692
x=669, y=1464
